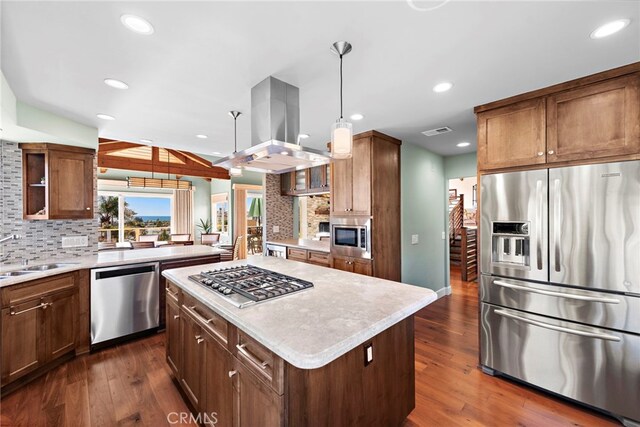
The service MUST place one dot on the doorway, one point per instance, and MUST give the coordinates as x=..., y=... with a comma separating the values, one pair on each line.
x=248, y=215
x=463, y=228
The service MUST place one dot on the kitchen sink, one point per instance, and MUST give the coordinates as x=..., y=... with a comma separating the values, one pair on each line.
x=47, y=267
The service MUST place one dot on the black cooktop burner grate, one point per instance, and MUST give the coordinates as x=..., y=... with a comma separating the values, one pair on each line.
x=254, y=283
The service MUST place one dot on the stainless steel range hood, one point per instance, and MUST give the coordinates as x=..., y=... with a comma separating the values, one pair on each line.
x=275, y=126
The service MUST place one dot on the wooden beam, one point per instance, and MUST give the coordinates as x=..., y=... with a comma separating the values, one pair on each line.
x=141, y=165
x=197, y=158
x=110, y=147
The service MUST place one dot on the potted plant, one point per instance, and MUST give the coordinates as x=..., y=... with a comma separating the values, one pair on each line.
x=205, y=226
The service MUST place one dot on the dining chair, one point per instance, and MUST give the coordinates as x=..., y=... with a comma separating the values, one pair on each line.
x=233, y=250
x=142, y=245
x=209, y=238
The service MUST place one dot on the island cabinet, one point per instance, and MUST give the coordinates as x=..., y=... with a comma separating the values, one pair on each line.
x=309, y=256
x=39, y=321
x=231, y=379
x=57, y=181
x=591, y=119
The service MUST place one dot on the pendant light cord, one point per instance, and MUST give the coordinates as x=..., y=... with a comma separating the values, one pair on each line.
x=341, y=86
x=235, y=135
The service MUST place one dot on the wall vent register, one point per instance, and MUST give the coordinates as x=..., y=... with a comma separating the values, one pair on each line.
x=246, y=284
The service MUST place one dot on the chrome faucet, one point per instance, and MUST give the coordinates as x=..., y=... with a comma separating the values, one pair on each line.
x=10, y=237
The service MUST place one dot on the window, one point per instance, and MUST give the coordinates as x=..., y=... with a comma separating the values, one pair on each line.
x=128, y=216
x=220, y=212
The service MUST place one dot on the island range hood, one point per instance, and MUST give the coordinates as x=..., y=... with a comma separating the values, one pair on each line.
x=275, y=126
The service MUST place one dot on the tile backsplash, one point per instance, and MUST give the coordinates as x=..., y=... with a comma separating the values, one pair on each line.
x=41, y=239
x=278, y=210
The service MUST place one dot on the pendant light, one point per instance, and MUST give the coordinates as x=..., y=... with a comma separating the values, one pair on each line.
x=342, y=130
x=233, y=171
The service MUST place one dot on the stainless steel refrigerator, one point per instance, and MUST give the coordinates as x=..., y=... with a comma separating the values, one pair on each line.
x=560, y=282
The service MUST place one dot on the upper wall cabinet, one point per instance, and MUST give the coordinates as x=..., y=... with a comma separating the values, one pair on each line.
x=598, y=120
x=306, y=181
x=594, y=118
x=512, y=135
x=57, y=181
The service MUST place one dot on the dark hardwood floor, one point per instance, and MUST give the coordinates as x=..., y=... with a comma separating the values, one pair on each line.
x=130, y=384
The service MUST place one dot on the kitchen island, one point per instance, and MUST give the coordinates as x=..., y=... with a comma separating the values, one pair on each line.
x=340, y=353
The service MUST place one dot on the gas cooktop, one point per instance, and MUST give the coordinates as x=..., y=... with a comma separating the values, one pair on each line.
x=247, y=284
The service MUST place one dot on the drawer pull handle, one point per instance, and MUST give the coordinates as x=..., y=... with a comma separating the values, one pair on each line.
x=556, y=294
x=42, y=305
x=558, y=328
x=202, y=319
x=199, y=339
x=242, y=349
x=540, y=153
x=176, y=316
x=232, y=373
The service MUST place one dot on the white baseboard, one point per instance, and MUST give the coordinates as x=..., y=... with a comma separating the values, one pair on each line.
x=443, y=292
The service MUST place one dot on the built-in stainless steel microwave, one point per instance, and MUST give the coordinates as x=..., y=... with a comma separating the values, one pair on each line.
x=351, y=236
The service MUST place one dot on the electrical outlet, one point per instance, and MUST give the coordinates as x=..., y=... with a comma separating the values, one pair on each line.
x=368, y=354
x=414, y=239
x=276, y=228
x=75, y=241
x=444, y=236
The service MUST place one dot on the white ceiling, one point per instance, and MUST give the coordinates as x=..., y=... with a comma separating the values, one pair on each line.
x=204, y=57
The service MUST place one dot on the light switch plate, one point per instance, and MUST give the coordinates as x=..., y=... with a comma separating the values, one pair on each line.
x=75, y=241
x=414, y=239
x=444, y=236
x=368, y=354
x=276, y=228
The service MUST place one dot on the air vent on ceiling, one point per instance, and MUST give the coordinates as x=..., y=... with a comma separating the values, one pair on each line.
x=437, y=131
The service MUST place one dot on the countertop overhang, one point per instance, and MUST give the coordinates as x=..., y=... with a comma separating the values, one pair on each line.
x=110, y=259
x=309, y=244
x=312, y=328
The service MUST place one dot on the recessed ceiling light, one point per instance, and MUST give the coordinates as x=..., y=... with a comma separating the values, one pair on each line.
x=609, y=28
x=357, y=116
x=146, y=141
x=137, y=24
x=442, y=87
x=105, y=117
x=463, y=144
x=201, y=136
x=118, y=84
x=303, y=136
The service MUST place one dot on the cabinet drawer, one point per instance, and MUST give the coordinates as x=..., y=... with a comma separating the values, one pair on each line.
x=173, y=291
x=261, y=361
x=320, y=258
x=20, y=293
x=206, y=318
x=297, y=254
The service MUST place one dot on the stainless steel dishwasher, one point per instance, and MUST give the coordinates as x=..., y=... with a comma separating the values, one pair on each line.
x=124, y=301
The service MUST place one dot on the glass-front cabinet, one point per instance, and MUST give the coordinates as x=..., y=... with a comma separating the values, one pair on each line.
x=306, y=181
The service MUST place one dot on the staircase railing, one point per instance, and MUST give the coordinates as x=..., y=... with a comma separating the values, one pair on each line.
x=456, y=215
x=469, y=254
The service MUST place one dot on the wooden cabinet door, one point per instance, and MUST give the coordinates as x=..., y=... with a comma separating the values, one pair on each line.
x=299, y=181
x=22, y=339
x=361, y=175
x=342, y=263
x=341, y=186
x=362, y=266
x=70, y=185
x=218, y=395
x=192, y=358
x=254, y=402
x=316, y=179
x=60, y=324
x=600, y=120
x=512, y=136
x=286, y=183
x=173, y=337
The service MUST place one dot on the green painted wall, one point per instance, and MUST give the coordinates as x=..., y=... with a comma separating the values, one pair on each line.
x=423, y=213
x=460, y=166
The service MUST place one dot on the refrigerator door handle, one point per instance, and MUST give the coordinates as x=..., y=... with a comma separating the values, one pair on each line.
x=539, y=207
x=557, y=216
x=556, y=294
x=597, y=335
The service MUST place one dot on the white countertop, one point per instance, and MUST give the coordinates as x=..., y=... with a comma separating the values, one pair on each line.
x=310, y=244
x=109, y=259
x=312, y=328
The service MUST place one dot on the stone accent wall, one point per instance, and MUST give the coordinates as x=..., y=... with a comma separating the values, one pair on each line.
x=314, y=204
x=278, y=210
x=41, y=240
